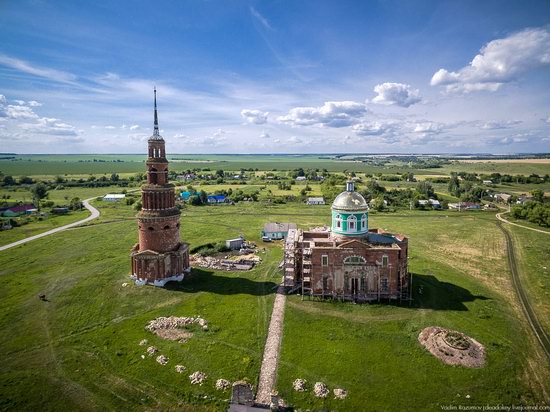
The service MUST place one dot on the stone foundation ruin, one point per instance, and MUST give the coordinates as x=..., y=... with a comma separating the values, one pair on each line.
x=452, y=347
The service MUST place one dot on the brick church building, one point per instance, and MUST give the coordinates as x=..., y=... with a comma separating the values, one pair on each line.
x=159, y=256
x=349, y=261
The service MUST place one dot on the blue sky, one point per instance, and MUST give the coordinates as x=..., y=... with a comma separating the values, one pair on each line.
x=275, y=77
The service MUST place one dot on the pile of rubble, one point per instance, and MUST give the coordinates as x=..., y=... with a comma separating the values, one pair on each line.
x=173, y=327
x=300, y=385
x=143, y=342
x=151, y=350
x=222, y=384
x=180, y=368
x=319, y=229
x=242, y=262
x=197, y=378
x=320, y=390
x=340, y=393
x=163, y=360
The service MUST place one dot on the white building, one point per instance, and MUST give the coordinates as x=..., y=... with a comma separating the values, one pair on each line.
x=315, y=201
x=114, y=197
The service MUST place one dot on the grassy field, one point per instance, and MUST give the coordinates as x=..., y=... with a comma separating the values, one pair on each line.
x=80, y=349
x=38, y=226
x=533, y=252
x=372, y=350
x=42, y=165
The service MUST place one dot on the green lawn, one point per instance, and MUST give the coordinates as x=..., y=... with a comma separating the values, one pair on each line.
x=533, y=253
x=38, y=226
x=80, y=349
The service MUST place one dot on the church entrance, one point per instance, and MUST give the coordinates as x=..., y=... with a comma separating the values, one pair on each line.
x=354, y=286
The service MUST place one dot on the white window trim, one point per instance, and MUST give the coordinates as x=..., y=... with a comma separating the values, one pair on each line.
x=352, y=219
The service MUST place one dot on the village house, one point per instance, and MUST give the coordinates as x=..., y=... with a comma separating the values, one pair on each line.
x=216, y=199
x=114, y=197
x=315, y=201
x=464, y=206
x=502, y=197
x=277, y=231
x=301, y=179
x=349, y=261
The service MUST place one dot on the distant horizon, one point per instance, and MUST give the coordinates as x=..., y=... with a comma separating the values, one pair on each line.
x=296, y=154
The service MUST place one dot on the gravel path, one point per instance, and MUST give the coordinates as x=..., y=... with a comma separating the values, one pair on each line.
x=85, y=203
x=268, y=372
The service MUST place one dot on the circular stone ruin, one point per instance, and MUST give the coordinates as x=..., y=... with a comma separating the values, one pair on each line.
x=452, y=347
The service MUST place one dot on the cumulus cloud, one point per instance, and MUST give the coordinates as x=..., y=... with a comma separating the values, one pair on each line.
x=50, y=126
x=397, y=94
x=331, y=114
x=138, y=137
x=428, y=128
x=254, y=116
x=499, y=61
x=180, y=136
x=265, y=135
x=375, y=128
x=134, y=127
x=110, y=127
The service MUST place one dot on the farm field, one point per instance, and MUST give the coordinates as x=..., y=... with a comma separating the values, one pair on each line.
x=42, y=165
x=80, y=349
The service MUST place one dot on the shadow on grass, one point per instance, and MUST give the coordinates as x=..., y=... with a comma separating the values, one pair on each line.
x=205, y=281
x=431, y=293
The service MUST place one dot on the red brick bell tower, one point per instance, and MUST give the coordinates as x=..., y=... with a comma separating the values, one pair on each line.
x=159, y=257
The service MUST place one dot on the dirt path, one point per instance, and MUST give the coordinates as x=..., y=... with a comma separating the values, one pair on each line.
x=85, y=203
x=268, y=371
x=530, y=314
x=499, y=217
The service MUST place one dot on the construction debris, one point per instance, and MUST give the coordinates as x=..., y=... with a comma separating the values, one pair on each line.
x=180, y=368
x=163, y=360
x=299, y=385
x=197, y=378
x=124, y=284
x=151, y=350
x=174, y=328
x=222, y=384
x=242, y=262
x=340, y=393
x=320, y=390
x=143, y=342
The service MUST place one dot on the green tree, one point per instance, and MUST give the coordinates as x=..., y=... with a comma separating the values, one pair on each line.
x=8, y=180
x=39, y=191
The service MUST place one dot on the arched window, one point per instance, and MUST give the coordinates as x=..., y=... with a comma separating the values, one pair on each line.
x=153, y=174
x=352, y=223
x=364, y=221
x=166, y=227
x=151, y=228
x=338, y=221
x=355, y=260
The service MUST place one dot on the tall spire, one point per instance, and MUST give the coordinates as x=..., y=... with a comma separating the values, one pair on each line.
x=156, y=124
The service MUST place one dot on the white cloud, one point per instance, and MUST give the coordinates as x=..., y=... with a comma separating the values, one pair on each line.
x=110, y=127
x=34, y=103
x=397, y=94
x=254, y=116
x=180, y=136
x=499, y=61
x=256, y=14
x=134, y=127
x=17, y=112
x=50, y=126
x=23, y=66
x=138, y=137
x=295, y=140
x=265, y=135
x=494, y=125
x=331, y=114
x=428, y=128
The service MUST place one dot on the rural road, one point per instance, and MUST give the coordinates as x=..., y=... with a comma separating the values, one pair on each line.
x=499, y=217
x=85, y=203
x=530, y=314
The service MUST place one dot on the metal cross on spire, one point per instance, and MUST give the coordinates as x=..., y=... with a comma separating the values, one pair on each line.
x=156, y=124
